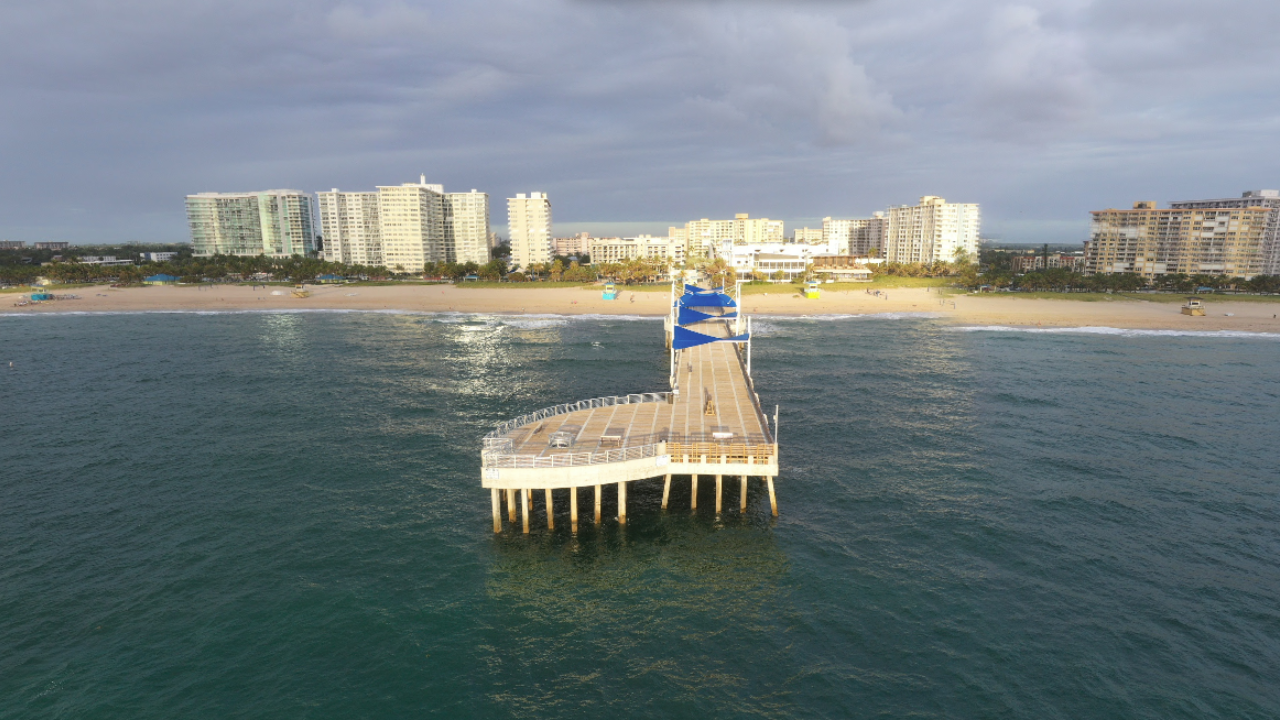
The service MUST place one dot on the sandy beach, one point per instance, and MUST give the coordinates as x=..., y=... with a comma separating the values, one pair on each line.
x=957, y=309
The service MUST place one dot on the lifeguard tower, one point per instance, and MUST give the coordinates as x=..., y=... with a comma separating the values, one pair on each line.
x=811, y=290
x=610, y=291
x=1193, y=307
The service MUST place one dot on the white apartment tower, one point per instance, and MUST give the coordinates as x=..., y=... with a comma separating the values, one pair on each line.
x=933, y=231
x=466, y=227
x=703, y=237
x=276, y=223
x=858, y=236
x=411, y=221
x=529, y=226
x=350, y=227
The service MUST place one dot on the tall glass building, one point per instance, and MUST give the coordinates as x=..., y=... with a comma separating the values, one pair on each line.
x=272, y=222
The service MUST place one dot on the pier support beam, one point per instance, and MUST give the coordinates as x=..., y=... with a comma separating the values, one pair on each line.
x=597, y=504
x=511, y=505
x=551, y=512
x=497, y=510
x=693, y=502
x=622, y=503
x=666, y=491
x=773, y=500
x=573, y=509
x=719, y=491
x=742, y=505
x=524, y=506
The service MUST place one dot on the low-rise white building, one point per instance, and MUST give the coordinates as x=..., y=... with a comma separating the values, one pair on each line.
x=617, y=250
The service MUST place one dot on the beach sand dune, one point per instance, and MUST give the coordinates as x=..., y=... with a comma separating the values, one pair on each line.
x=956, y=309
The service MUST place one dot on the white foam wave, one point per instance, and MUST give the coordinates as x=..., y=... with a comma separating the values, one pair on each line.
x=1120, y=332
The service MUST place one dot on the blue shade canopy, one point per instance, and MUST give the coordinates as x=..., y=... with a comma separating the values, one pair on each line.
x=688, y=316
x=684, y=338
x=707, y=300
x=695, y=290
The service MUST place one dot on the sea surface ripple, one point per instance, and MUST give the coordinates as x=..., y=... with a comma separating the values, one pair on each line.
x=279, y=515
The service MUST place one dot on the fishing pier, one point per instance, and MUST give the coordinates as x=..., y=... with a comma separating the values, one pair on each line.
x=710, y=424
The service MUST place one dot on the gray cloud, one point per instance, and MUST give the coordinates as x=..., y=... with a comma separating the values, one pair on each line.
x=635, y=111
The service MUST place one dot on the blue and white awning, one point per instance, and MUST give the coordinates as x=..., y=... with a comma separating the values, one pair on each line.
x=683, y=338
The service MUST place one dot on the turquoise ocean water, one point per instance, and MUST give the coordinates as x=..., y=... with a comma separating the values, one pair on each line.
x=279, y=516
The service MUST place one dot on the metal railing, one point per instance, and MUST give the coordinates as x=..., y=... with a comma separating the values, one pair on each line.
x=562, y=409
x=682, y=447
x=599, y=457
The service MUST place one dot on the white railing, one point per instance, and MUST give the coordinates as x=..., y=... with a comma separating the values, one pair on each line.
x=600, y=457
x=506, y=427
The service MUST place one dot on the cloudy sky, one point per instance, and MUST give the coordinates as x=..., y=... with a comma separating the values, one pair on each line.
x=635, y=114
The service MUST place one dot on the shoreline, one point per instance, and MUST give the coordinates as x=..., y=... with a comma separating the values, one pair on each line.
x=956, y=310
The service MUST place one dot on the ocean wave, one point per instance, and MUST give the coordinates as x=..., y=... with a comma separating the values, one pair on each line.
x=1120, y=332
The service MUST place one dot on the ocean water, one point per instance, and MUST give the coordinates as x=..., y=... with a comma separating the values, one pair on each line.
x=279, y=516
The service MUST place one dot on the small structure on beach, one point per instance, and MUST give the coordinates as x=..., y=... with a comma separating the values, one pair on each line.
x=1194, y=307
x=610, y=291
x=160, y=279
x=330, y=279
x=811, y=290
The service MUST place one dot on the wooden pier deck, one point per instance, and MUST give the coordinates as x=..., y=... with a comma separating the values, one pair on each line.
x=710, y=424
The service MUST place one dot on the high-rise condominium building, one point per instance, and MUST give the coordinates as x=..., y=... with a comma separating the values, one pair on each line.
x=703, y=237
x=529, y=225
x=807, y=236
x=411, y=221
x=277, y=223
x=1269, y=199
x=933, y=231
x=858, y=236
x=1193, y=240
x=350, y=227
x=466, y=227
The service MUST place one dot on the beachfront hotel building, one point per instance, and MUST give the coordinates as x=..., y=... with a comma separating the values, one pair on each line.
x=529, y=227
x=411, y=222
x=466, y=227
x=647, y=247
x=856, y=236
x=932, y=231
x=350, y=226
x=1151, y=241
x=1269, y=199
x=276, y=223
x=807, y=236
x=703, y=237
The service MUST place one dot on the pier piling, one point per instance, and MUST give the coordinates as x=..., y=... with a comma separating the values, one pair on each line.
x=511, y=506
x=622, y=503
x=742, y=505
x=773, y=500
x=497, y=511
x=573, y=509
x=719, y=491
x=666, y=491
x=551, y=511
x=597, y=504
x=693, y=500
x=524, y=498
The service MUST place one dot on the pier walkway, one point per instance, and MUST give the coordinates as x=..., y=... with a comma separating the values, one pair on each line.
x=709, y=424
